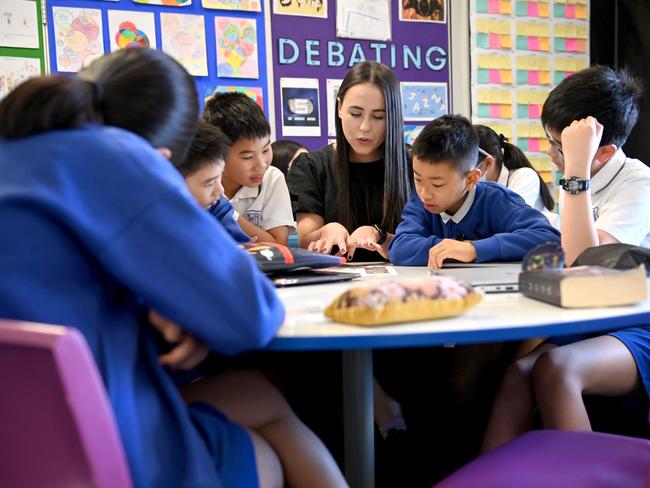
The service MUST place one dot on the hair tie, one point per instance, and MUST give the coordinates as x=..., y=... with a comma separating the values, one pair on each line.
x=502, y=139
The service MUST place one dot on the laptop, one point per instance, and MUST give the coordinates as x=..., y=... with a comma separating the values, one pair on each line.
x=487, y=278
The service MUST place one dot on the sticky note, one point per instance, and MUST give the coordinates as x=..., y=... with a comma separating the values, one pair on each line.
x=506, y=41
x=495, y=76
x=570, y=12
x=533, y=10
x=483, y=76
x=482, y=40
x=571, y=45
x=544, y=78
x=483, y=110
x=533, y=43
x=481, y=6
x=560, y=45
x=522, y=42
x=494, y=41
x=494, y=6
x=522, y=142
x=533, y=145
x=522, y=111
x=495, y=111
x=581, y=46
x=544, y=44
x=543, y=10
x=506, y=7
x=521, y=9
x=506, y=76
x=534, y=111
x=581, y=12
x=533, y=77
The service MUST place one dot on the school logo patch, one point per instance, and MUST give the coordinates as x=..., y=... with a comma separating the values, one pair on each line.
x=254, y=217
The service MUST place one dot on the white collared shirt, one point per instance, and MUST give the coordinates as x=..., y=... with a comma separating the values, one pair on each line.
x=462, y=211
x=267, y=206
x=620, y=196
x=525, y=182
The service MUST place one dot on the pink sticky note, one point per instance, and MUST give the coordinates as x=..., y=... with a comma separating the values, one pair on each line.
x=533, y=77
x=533, y=145
x=533, y=43
x=495, y=76
x=533, y=111
x=493, y=41
x=569, y=11
x=533, y=9
x=571, y=45
x=495, y=111
x=493, y=7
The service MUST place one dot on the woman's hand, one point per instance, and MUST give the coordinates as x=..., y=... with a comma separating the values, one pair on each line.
x=365, y=237
x=188, y=351
x=332, y=234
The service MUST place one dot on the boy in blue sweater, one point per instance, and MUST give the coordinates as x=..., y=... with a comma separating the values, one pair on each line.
x=453, y=215
x=202, y=170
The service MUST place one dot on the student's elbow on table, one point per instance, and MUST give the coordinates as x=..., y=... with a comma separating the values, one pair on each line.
x=402, y=252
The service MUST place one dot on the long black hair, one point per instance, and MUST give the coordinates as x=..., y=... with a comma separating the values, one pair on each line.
x=283, y=152
x=397, y=183
x=505, y=153
x=140, y=90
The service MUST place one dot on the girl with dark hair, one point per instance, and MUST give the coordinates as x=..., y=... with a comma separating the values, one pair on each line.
x=505, y=163
x=348, y=197
x=285, y=153
x=100, y=233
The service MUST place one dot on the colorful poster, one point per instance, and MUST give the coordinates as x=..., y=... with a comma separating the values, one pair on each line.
x=167, y=3
x=423, y=11
x=306, y=8
x=78, y=37
x=236, y=47
x=532, y=8
x=244, y=5
x=423, y=101
x=19, y=24
x=131, y=29
x=183, y=38
x=332, y=92
x=300, y=111
x=493, y=33
x=13, y=71
x=254, y=92
x=411, y=132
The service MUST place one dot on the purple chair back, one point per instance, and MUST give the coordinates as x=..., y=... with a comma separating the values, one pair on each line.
x=558, y=459
x=56, y=425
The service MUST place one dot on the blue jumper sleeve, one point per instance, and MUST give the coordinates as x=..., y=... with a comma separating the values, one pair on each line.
x=520, y=228
x=413, y=237
x=223, y=212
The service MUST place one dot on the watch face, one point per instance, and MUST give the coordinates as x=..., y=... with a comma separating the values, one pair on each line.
x=573, y=185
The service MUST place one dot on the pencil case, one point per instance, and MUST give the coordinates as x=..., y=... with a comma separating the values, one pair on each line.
x=403, y=300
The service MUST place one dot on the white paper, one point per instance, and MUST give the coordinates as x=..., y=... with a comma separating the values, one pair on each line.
x=332, y=91
x=131, y=29
x=13, y=71
x=363, y=19
x=78, y=35
x=300, y=107
x=18, y=24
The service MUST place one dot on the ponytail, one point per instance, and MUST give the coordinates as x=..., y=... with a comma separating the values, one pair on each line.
x=514, y=158
x=49, y=103
x=141, y=90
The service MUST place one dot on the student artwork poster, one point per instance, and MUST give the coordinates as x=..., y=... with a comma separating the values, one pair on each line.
x=131, y=29
x=19, y=24
x=183, y=38
x=423, y=101
x=332, y=87
x=243, y=5
x=411, y=132
x=255, y=93
x=363, y=19
x=13, y=71
x=423, y=11
x=236, y=40
x=300, y=111
x=306, y=8
x=79, y=37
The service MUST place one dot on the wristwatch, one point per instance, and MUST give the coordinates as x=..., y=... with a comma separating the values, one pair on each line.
x=574, y=185
x=382, y=234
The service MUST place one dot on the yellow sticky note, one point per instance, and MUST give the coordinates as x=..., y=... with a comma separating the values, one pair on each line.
x=543, y=10
x=581, y=12
x=544, y=44
x=506, y=76
x=483, y=96
x=506, y=41
x=560, y=30
x=483, y=25
x=581, y=31
x=506, y=7
x=545, y=77
x=506, y=111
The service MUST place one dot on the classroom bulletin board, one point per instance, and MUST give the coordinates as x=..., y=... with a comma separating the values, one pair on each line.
x=220, y=42
x=520, y=50
x=315, y=43
x=22, y=49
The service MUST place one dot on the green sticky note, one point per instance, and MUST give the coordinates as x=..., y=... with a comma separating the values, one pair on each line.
x=482, y=40
x=483, y=110
x=521, y=10
x=560, y=45
x=522, y=142
x=482, y=6
x=522, y=77
x=522, y=111
x=522, y=43
x=483, y=76
x=558, y=10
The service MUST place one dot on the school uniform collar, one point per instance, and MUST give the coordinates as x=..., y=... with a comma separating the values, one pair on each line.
x=503, y=176
x=607, y=172
x=246, y=192
x=462, y=211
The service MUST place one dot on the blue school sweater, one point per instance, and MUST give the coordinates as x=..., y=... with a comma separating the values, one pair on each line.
x=223, y=212
x=97, y=228
x=499, y=223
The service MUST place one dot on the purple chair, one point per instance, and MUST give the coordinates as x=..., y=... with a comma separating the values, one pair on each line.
x=56, y=425
x=552, y=458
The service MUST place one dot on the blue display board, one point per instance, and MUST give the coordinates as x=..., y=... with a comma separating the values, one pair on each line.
x=79, y=38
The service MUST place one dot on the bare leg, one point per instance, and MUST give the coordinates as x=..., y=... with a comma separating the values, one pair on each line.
x=269, y=469
x=248, y=398
x=598, y=366
x=514, y=404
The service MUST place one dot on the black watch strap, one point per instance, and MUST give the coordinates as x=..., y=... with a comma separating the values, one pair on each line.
x=574, y=185
x=382, y=234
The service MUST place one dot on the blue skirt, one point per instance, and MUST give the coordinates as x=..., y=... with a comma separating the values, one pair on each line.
x=229, y=444
x=636, y=339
